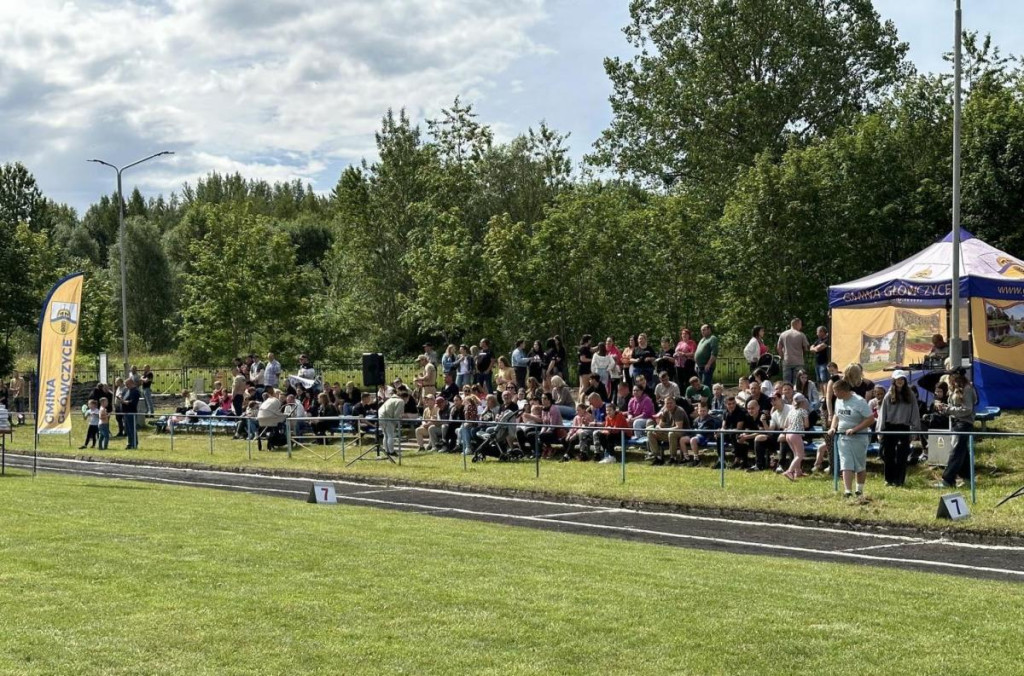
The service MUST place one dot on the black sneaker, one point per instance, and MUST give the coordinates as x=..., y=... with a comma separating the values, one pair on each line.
x=657, y=461
x=565, y=458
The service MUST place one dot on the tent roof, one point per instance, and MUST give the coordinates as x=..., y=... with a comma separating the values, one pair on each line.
x=927, y=275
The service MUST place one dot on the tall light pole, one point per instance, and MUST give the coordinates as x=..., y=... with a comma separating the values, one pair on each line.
x=955, y=352
x=120, y=229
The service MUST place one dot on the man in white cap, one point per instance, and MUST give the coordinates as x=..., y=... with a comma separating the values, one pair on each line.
x=898, y=412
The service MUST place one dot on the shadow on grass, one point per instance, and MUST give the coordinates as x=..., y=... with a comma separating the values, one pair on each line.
x=119, y=487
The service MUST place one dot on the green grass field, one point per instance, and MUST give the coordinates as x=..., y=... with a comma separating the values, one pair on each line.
x=98, y=576
x=1000, y=471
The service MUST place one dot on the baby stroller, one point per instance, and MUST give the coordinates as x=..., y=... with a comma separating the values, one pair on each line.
x=496, y=442
x=769, y=364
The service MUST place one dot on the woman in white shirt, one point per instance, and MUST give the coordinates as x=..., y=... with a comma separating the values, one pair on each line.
x=755, y=347
x=601, y=363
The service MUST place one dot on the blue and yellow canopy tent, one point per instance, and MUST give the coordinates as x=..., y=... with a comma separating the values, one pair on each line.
x=887, y=318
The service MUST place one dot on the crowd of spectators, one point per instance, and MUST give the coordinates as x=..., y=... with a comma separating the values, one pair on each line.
x=663, y=398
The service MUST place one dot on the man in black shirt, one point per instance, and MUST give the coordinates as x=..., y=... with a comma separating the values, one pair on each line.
x=147, y=389
x=593, y=385
x=450, y=389
x=736, y=418
x=763, y=401
x=585, y=353
x=130, y=406
x=820, y=348
x=645, y=358
x=484, y=364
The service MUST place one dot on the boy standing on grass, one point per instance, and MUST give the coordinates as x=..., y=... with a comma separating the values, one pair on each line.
x=852, y=416
x=92, y=414
x=104, y=431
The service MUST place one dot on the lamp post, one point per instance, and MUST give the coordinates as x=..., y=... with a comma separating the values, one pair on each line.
x=120, y=229
x=955, y=347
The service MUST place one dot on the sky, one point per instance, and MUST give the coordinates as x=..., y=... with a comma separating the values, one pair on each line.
x=286, y=89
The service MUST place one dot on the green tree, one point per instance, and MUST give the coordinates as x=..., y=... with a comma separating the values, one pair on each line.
x=21, y=200
x=993, y=163
x=716, y=82
x=834, y=211
x=150, y=284
x=240, y=286
x=375, y=212
x=26, y=270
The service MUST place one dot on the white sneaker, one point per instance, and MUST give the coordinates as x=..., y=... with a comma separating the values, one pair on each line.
x=606, y=460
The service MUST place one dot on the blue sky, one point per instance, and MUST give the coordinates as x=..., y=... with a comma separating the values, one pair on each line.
x=283, y=89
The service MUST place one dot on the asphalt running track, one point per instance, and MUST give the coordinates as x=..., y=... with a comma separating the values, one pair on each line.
x=813, y=542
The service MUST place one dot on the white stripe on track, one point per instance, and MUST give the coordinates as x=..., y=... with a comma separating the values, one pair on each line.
x=704, y=538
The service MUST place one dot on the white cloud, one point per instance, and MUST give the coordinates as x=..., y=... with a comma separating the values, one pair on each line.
x=276, y=89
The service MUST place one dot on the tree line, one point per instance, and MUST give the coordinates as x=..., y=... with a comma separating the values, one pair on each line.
x=758, y=152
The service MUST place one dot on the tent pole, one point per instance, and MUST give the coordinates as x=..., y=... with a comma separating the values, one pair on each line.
x=954, y=339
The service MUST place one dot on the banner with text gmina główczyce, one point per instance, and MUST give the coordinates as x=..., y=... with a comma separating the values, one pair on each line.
x=58, y=342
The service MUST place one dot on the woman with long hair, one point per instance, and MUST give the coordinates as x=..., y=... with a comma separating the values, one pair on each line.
x=535, y=369
x=626, y=359
x=601, y=364
x=962, y=400
x=449, y=360
x=898, y=412
x=686, y=367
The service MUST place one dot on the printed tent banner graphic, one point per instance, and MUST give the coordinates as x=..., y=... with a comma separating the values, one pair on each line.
x=887, y=318
x=58, y=343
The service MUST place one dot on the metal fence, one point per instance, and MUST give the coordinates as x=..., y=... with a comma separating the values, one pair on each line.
x=350, y=433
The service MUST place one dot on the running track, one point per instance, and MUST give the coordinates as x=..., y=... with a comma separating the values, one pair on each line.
x=948, y=555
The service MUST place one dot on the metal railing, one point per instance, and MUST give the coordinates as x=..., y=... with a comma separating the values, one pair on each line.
x=297, y=440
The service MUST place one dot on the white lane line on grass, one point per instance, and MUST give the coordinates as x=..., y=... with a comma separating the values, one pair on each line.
x=532, y=501
x=704, y=538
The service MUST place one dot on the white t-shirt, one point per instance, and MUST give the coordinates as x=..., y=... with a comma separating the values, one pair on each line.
x=779, y=416
x=852, y=412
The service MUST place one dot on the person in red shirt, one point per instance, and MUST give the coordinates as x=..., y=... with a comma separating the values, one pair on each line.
x=610, y=437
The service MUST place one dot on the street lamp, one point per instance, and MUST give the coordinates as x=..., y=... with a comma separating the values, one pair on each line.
x=120, y=228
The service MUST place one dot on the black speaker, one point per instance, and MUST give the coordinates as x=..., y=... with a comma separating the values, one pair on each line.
x=373, y=369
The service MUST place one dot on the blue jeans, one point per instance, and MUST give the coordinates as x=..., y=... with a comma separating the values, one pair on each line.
x=252, y=428
x=131, y=430
x=466, y=437
x=821, y=371
x=104, y=439
x=789, y=373
x=463, y=379
x=706, y=374
x=147, y=396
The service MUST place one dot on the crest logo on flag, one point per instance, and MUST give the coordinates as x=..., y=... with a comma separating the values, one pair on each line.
x=63, y=317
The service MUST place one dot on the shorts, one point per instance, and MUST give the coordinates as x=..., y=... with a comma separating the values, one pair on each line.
x=853, y=452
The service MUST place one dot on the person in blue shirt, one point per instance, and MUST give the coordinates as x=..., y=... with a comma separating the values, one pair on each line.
x=852, y=417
